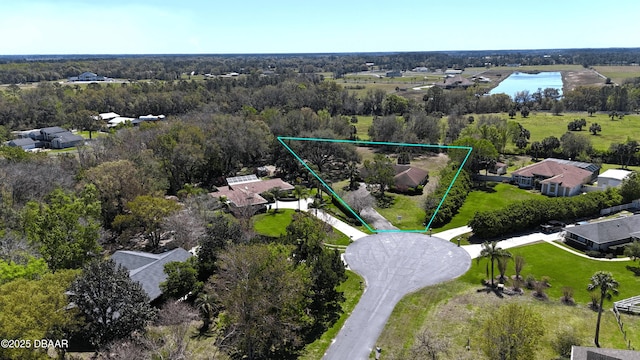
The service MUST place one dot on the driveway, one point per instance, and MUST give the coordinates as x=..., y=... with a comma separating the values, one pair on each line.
x=393, y=265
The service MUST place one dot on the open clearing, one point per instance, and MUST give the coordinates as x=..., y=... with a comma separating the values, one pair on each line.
x=457, y=311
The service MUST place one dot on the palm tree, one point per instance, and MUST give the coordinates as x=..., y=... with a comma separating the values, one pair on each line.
x=206, y=305
x=492, y=252
x=503, y=261
x=299, y=191
x=608, y=285
x=277, y=193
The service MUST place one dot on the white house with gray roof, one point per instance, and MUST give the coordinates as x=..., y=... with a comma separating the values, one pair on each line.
x=604, y=235
x=612, y=178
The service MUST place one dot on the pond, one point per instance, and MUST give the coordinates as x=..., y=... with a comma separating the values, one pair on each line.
x=519, y=81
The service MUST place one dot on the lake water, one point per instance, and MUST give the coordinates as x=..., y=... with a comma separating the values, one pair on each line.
x=519, y=81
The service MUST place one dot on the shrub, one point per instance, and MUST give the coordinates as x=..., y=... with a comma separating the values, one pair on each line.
x=545, y=281
x=567, y=296
x=564, y=340
x=454, y=200
x=528, y=214
x=595, y=254
x=539, y=291
x=530, y=282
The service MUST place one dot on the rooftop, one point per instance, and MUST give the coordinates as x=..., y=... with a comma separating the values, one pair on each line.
x=603, y=232
x=567, y=173
x=148, y=269
x=617, y=174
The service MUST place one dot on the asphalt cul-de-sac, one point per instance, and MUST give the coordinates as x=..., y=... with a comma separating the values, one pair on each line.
x=393, y=264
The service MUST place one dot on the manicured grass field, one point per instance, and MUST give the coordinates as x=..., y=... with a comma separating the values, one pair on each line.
x=563, y=269
x=411, y=214
x=494, y=197
x=352, y=289
x=457, y=310
x=544, y=124
x=273, y=224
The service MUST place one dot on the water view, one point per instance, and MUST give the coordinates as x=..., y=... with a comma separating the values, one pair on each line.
x=519, y=81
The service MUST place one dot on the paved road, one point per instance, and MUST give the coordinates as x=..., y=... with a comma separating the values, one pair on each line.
x=393, y=265
x=375, y=220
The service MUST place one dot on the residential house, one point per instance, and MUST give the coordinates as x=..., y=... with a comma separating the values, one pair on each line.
x=50, y=133
x=88, y=76
x=243, y=192
x=148, y=269
x=408, y=177
x=591, y=353
x=556, y=177
x=24, y=143
x=393, y=73
x=612, y=178
x=604, y=235
x=499, y=168
x=66, y=140
x=119, y=120
x=455, y=81
x=108, y=116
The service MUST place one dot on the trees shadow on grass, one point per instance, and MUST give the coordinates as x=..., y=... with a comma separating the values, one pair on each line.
x=634, y=269
x=488, y=289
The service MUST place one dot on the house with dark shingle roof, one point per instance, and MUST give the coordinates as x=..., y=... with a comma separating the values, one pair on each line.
x=24, y=143
x=148, y=269
x=408, y=177
x=66, y=140
x=604, y=235
x=556, y=177
x=50, y=133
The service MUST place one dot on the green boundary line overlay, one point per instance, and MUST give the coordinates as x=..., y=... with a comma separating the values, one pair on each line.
x=282, y=140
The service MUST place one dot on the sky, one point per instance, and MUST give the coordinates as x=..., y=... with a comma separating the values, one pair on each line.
x=301, y=26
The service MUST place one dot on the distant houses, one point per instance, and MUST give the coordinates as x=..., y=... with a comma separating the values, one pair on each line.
x=455, y=81
x=88, y=76
x=53, y=137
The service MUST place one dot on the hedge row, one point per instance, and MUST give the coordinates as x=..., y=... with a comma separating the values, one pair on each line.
x=531, y=213
x=454, y=200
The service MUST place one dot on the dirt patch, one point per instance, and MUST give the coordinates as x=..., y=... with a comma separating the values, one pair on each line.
x=584, y=77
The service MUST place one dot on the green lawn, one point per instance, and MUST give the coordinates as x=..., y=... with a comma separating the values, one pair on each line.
x=495, y=197
x=563, y=269
x=411, y=215
x=352, y=289
x=273, y=224
x=618, y=73
x=457, y=310
x=545, y=124
x=362, y=126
